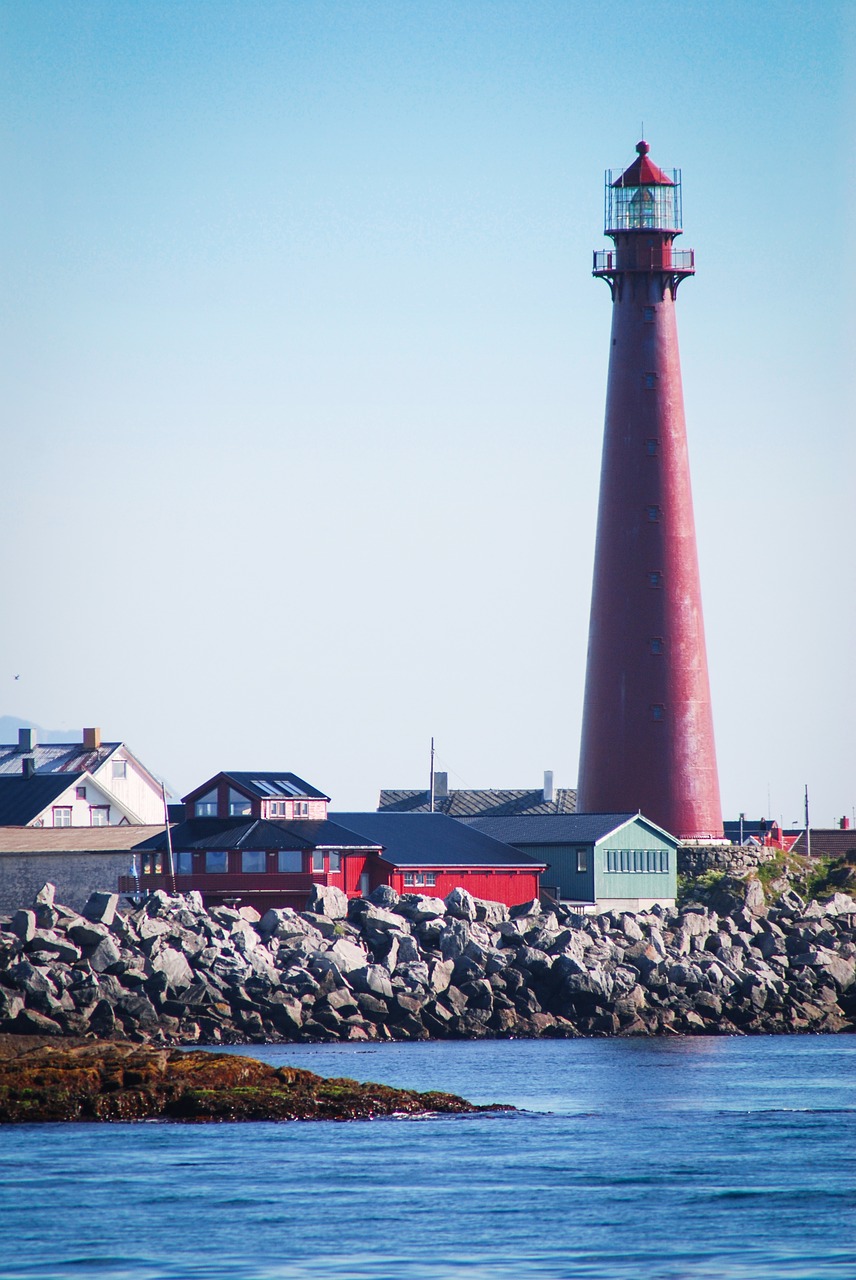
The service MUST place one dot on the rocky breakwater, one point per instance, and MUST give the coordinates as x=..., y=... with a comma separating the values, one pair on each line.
x=414, y=967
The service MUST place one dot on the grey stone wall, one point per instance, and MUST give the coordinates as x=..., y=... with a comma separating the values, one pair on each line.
x=733, y=859
x=75, y=875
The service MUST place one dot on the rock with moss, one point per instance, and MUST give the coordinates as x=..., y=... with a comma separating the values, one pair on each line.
x=42, y=1080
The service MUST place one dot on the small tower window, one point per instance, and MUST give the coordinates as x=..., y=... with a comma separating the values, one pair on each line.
x=649, y=315
x=658, y=711
x=655, y=644
x=652, y=447
x=654, y=513
x=649, y=381
x=655, y=578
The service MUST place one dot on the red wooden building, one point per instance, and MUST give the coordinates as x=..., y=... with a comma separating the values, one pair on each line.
x=235, y=846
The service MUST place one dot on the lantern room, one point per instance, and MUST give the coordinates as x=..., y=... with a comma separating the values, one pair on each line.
x=643, y=197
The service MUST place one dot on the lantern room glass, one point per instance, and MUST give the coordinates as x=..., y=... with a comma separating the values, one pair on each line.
x=648, y=207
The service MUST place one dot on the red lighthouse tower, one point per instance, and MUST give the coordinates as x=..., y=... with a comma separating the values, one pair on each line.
x=647, y=739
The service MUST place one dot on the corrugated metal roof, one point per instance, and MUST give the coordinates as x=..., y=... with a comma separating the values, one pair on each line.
x=546, y=829
x=433, y=840
x=469, y=803
x=56, y=757
x=832, y=842
x=23, y=799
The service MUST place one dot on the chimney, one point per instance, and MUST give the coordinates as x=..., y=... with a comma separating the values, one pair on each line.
x=844, y=824
x=441, y=786
x=26, y=739
x=28, y=766
x=92, y=739
x=548, y=786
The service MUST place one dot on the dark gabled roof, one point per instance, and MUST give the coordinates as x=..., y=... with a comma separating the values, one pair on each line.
x=56, y=757
x=22, y=799
x=433, y=840
x=546, y=829
x=266, y=785
x=468, y=803
x=239, y=833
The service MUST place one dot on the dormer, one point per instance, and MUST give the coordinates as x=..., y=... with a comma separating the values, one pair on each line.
x=278, y=797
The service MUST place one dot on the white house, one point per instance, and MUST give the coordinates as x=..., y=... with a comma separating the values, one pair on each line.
x=88, y=783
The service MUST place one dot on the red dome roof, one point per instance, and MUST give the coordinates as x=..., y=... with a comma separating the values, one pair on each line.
x=642, y=173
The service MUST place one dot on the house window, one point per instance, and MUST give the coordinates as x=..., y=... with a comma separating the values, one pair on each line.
x=253, y=860
x=216, y=861
x=289, y=860
x=655, y=578
x=120, y=768
x=664, y=859
x=301, y=808
x=239, y=805
x=99, y=815
x=655, y=644
x=430, y=877
x=61, y=816
x=184, y=863
x=80, y=793
x=409, y=877
x=152, y=863
x=277, y=809
x=582, y=859
x=317, y=859
x=206, y=806
x=335, y=860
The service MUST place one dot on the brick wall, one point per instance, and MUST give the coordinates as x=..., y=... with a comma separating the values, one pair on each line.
x=75, y=875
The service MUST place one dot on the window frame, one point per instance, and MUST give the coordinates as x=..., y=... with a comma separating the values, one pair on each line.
x=64, y=810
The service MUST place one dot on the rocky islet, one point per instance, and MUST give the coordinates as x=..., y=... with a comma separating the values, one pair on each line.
x=390, y=967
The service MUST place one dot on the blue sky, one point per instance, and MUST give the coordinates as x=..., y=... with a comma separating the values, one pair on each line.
x=305, y=372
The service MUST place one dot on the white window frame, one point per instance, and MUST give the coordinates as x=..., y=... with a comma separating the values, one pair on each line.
x=65, y=811
x=101, y=809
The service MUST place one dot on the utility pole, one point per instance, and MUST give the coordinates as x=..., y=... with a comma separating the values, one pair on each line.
x=432, y=775
x=807, y=825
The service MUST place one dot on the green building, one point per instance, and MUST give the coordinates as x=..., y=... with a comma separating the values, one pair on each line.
x=597, y=861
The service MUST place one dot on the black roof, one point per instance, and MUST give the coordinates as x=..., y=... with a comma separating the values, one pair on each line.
x=433, y=840
x=266, y=784
x=472, y=803
x=240, y=833
x=550, y=829
x=22, y=799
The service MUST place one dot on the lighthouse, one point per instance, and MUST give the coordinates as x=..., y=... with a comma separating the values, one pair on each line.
x=647, y=736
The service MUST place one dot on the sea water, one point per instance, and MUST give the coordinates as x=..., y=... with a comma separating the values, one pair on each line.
x=656, y=1159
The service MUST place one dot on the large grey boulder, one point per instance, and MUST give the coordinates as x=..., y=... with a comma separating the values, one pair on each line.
x=23, y=925
x=46, y=895
x=327, y=900
x=461, y=904
x=754, y=900
x=105, y=955
x=101, y=907
x=490, y=913
x=418, y=907
x=173, y=966
x=384, y=896
x=373, y=979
